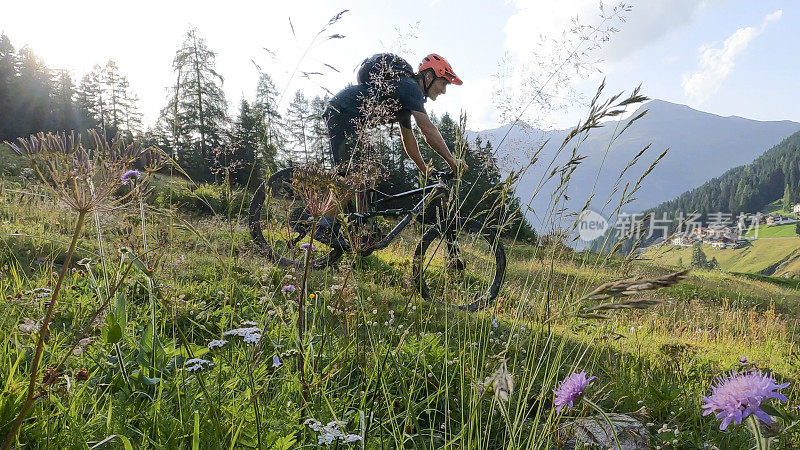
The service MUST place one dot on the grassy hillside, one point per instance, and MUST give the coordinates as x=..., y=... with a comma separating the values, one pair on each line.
x=396, y=371
x=762, y=256
x=774, y=231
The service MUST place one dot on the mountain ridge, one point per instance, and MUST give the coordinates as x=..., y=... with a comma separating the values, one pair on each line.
x=702, y=146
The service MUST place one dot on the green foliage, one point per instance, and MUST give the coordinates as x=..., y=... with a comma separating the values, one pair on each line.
x=35, y=98
x=699, y=259
x=214, y=199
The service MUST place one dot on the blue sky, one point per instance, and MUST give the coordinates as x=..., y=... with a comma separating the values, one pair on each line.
x=724, y=57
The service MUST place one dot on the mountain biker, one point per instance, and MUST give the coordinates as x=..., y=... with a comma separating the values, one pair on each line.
x=359, y=107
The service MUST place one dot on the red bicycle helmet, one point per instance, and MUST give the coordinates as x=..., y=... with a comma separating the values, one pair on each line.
x=440, y=67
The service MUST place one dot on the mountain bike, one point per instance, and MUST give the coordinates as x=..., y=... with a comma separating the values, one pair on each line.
x=458, y=261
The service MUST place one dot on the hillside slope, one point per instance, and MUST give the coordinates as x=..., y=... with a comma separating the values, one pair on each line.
x=773, y=256
x=749, y=188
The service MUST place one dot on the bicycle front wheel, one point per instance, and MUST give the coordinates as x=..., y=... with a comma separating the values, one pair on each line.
x=461, y=264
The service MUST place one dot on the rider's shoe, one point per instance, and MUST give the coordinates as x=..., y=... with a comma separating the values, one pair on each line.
x=456, y=264
x=329, y=232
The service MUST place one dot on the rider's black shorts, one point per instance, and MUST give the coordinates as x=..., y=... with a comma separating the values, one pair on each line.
x=342, y=137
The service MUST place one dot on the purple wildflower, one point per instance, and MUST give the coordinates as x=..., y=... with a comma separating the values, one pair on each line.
x=743, y=360
x=130, y=176
x=570, y=389
x=306, y=246
x=288, y=289
x=738, y=395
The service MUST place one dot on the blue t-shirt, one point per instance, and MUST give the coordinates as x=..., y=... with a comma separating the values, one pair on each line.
x=364, y=105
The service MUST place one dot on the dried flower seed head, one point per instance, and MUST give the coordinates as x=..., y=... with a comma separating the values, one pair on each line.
x=502, y=382
x=85, y=179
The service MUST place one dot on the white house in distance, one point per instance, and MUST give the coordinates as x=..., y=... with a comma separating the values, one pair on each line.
x=777, y=219
x=796, y=208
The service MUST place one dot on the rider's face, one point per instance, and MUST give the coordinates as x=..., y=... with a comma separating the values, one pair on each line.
x=438, y=88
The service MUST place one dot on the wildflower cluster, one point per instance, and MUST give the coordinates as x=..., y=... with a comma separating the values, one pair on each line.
x=217, y=343
x=738, y=395
x=196, y=364
x=250, y=334
x=330, y=433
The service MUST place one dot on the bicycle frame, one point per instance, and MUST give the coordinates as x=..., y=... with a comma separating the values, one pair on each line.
x=430, y=193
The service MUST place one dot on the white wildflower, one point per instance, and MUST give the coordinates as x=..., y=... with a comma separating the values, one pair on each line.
x=195, y=364
x=242, y=332
x=217, y=343
x=252, y=338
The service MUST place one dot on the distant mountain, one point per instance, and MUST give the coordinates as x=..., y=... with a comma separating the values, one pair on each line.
x=702, y=146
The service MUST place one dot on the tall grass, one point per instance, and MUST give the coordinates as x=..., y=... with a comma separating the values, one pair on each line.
x=352, y=346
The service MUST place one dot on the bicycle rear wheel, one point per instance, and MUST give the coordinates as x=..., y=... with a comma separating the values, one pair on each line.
x=276, y=208
x=461, y=264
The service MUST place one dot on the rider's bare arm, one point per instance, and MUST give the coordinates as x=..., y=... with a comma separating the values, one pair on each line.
x=433, y=138
x=412, y=149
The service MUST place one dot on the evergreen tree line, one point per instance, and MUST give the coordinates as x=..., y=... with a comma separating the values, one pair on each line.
x=195, y=128
x=700, y=260
x=34, y=97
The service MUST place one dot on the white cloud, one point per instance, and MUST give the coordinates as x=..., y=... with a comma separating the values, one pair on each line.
x=474, y=97
x=717, y=61
x=646, y=22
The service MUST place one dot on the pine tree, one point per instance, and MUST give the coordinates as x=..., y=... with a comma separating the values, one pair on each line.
x=8, y=75
x=34, y=87
x=197, y=107
x=299, y=126
x=112, y=86
x=273, y=140
x=319, y=133
x=132, y=118
x=699, y=260
x=66, y=114
x=245, y=140
x=786, y=200
x=91, y=99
